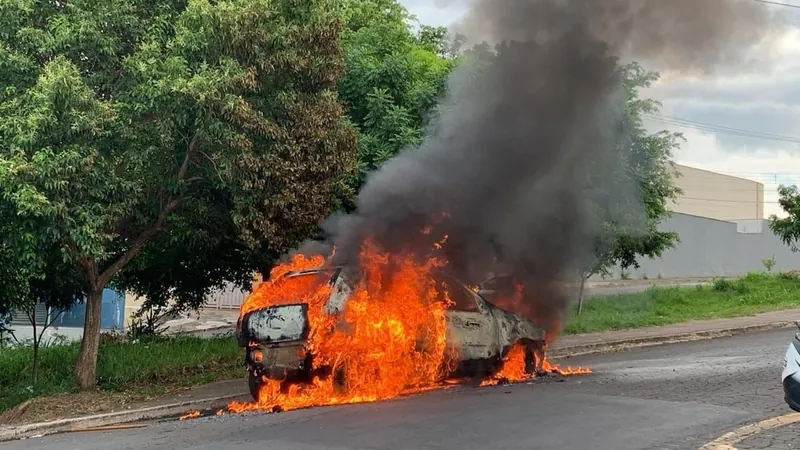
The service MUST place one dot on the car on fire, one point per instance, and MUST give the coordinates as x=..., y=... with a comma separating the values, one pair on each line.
x=479, y=334
x=790, y=377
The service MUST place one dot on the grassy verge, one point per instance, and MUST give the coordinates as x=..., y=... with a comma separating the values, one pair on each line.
x=135, y=370
x=752, y=294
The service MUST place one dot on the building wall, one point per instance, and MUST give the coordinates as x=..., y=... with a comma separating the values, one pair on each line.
x=718, y=196
x=711, y=248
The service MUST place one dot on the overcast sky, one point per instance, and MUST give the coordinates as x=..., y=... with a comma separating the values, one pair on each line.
x=765, y=99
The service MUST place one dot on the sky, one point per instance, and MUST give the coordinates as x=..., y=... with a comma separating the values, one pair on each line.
x=764, y=99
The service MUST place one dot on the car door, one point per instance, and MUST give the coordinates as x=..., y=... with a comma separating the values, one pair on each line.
x=470, y=326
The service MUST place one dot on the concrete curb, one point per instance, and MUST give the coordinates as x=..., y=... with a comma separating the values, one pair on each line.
x=114, y=418
x=623, y=344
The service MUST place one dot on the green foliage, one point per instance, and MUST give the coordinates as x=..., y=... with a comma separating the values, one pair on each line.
x=724, y=285
x=393, y=79
x=184, y=143
x=788, y=228
x=769, y=263
x=789, y=276
x=146, y=323
x=647, y=166
x=163, y=137
x=161, y=364
x=752, y=294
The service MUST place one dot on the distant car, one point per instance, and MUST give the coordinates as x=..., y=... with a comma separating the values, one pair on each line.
x=481, y=334
x=791, y=373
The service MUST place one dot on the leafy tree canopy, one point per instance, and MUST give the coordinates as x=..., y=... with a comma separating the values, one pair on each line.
x=647, y=168
x=788, y=228
x=178, y=135
x=396, y=72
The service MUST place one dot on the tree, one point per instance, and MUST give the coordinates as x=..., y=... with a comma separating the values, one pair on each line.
x=393, y=80
x=787, y=228
x=29, y=277
x=57, y=290
x=649, y=168
x=130, y=125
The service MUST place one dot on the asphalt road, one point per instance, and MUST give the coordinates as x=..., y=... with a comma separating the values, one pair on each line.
x=670, y=397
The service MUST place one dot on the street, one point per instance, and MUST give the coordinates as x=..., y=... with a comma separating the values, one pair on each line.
x=678, y=396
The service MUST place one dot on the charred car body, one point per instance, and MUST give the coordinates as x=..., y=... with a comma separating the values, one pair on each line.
x=479, y=334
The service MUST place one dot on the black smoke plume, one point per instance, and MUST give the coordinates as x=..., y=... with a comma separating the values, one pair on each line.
x=504, y=169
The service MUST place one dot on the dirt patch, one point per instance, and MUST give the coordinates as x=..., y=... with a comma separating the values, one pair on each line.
x=63, y=406
x=656, y=281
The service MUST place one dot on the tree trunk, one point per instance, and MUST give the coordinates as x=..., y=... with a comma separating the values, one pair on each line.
x=35, y=368
x=86, y=366
x=36, y=343
x=580, y=294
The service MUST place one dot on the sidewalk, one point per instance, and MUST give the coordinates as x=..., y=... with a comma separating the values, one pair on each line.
x=205, y=322
x=217, y=395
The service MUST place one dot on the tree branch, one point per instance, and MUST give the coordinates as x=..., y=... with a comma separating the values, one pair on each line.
x=216, y=169
x=164, y=211
x=49, y=323
x=190, y=151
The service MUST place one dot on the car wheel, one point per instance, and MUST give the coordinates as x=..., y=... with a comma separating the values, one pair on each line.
x=340, y=379
x=533, y=358
x=254, y=383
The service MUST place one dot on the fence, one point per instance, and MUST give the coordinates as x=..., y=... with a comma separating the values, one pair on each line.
x=230, y=297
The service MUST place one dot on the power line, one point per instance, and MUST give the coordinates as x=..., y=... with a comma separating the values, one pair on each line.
x=720, y=127
x=675, y=121
x=788, y=5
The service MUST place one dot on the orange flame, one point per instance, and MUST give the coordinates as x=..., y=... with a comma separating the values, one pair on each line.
x=388, y=341
x=190, y=415
x=514, y=368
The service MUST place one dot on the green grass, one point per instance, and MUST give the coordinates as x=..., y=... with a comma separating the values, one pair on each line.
x=752, y=294
x=150, y=368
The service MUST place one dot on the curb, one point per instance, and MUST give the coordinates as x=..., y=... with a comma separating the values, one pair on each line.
x=12, y=433
x=223, y=329
x=624, y=344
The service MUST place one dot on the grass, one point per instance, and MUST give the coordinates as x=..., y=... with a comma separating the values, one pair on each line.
x=751, y=294
x=148, y=369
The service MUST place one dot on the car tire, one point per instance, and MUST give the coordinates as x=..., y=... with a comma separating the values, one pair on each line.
x=254, y=383
x=340, y=379
x=532, y=363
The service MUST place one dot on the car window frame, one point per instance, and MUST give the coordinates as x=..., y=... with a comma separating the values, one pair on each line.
x=477, y=300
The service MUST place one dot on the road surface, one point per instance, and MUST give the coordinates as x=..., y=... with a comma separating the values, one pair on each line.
x=678, y=396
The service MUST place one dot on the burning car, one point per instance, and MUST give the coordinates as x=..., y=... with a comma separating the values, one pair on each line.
x=478, y=335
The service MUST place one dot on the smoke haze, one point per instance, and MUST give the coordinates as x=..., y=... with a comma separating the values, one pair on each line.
x=504, y=169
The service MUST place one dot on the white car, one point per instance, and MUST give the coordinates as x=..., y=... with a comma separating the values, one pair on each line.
x=480, y=333
x=791, y=373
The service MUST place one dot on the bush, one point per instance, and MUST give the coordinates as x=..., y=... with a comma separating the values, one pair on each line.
x=722, y=285
x=789, y=276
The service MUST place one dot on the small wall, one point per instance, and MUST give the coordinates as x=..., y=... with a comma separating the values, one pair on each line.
x=25, y=333
x=112, y=312
x=712, y=248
